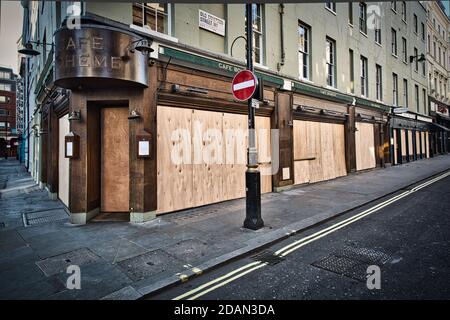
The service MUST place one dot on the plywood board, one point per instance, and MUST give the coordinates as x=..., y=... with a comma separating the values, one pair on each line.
x=395, y=147
x=422, y=135
x=63, y=162
x=174, y=164
x=114, y=160
x=427, y=142
x=319, y=151
x=208, y=157
x=263, y=143
x=365, y=146
x=418, y=143
x=235, y=141
x=410, y=143
x=403, y=140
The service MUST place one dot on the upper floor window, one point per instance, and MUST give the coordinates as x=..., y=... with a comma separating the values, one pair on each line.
x=416, y=65
x=394, y=5
x=331, y=5
x=379, y=82
x=364, y=79
x=154, y=16
x=378, y=34
x=331, y=62
x=257, y=32
x=404, y=11
x=394, y=89
x=5, y=75
x=303, y=50
x=404, y=50
x=416, y=27
x=405, y=93
x=416, y=92
x=394, y=42
x=5, y=87
x=422, y=31
x=363, y=17
x=3, y=112
x=350, y=13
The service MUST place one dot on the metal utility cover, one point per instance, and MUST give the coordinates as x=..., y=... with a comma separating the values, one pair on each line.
x=46, y=216
x=59, y=263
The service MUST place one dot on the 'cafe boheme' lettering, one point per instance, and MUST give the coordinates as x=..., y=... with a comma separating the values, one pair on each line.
x=89, y=53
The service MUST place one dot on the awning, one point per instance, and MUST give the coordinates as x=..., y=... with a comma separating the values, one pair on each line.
x=437, y=127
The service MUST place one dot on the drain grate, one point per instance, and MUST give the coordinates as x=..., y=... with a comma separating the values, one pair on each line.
x=268, y=257
x=367, y=255
x=34, y=218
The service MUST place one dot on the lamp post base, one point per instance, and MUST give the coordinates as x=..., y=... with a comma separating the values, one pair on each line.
x=253, y=218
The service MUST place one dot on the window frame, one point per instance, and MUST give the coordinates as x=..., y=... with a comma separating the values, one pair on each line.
x=331, y=6
x=394, y=44
x=379, y=82
x=364, y=76
x=394, y=89
x=363, y=18
x=306, y=54
x=260, y=33
x=405, y=92
x=168, y=16
x=332, y=63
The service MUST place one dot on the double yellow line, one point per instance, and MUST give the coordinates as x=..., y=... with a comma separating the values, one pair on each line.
x=248, y=268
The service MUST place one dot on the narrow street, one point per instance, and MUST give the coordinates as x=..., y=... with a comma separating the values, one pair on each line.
x=408, y=239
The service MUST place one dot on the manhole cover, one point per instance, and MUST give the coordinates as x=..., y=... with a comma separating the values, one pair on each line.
x=150, y=264
x=41, y=217
x=59, y=263
x=368, y=255
x=268, y=257
x=190, y=250
x=343, y=266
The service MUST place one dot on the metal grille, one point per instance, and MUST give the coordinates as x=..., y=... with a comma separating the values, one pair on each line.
x=268, y=257
x=34, y=218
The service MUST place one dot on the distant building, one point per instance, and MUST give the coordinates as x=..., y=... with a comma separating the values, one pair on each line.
x=8, y=131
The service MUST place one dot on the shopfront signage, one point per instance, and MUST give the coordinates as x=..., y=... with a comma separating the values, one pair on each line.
x=211, y=23
x=442, y=110
x=84, y=56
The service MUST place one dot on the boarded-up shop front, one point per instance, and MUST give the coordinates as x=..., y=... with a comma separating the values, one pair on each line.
x=318, y=140
x=365, y=146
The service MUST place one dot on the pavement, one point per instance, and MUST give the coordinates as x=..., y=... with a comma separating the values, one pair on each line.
x=122, y=260
x=408, y=240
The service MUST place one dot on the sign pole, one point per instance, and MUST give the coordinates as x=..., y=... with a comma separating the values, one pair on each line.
x=253, y=218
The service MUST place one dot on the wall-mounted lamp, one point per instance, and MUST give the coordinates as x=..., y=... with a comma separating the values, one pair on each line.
x=28, y=49
x=74, y=116
x=134, y=115
x=419, y=58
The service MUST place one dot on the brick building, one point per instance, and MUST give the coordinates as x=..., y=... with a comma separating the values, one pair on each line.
x=8, y=132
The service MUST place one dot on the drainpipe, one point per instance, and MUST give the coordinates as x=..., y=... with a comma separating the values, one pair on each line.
x=283, y=54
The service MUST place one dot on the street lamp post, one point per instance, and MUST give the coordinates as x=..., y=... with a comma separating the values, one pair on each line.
x=253, y=218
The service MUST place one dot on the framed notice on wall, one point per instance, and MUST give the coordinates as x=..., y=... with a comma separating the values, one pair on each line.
x=211, y=23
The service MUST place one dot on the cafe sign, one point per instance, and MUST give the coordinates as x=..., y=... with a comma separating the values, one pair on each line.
x=97, y=56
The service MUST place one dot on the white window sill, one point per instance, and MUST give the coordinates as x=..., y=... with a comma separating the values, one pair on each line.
x=260, y=66
x=329, y=10
x=332, y=88
x=394, y=55
x=154, y=33
x=378, y=44
x=364, y=34
x=305, y=80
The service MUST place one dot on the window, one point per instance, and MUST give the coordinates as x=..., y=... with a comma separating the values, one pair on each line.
x=4, y=112
x=350, y=13
x=423, y=68
x=5, y=87
x=394, y=89
x=404, y=11
x=439, y=59
x=3, y=99
x=378, y=34
x=416, y=65
x=5, y=75
x=416, y=28
x=331, y=6
x=331, y=62
x=422, y=31
x=363, y=73
x=394, y=5
x=405, y=93
x=404, y=50
x=394, y=42
x=434, y=49
x=416, y=92
x=379, y=82
x=424, y=97
x=429, y=45
x=363, y=17
x=258, y=32
x=352, y=71
x=152, y=15
x=303, y=50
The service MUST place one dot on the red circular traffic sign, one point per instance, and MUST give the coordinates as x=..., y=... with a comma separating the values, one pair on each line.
x=244, y=85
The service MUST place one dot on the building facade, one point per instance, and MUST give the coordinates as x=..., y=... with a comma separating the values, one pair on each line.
x=438, y=59
x=133, y=110
x=8, y=131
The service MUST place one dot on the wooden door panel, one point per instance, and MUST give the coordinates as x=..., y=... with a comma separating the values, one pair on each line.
x=115, y=178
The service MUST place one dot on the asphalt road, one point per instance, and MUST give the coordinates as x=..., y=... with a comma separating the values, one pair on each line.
x=409, y=240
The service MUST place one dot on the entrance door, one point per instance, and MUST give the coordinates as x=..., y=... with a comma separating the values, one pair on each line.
x=63, y=162
x=114, y=160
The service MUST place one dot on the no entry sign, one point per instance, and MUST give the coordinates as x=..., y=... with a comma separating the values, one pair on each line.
x=244, y=85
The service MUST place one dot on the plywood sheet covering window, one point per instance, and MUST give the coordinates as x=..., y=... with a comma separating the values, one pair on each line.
x=418, y=143
x=319, y=151
x=174, y=168
x=365, y=146
x=403, y=140
x=410, y=143
x=63, y=163
x=395, y=146
x=210, y=149
x=427, y=141
x=422, y=135
x=115, y=160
